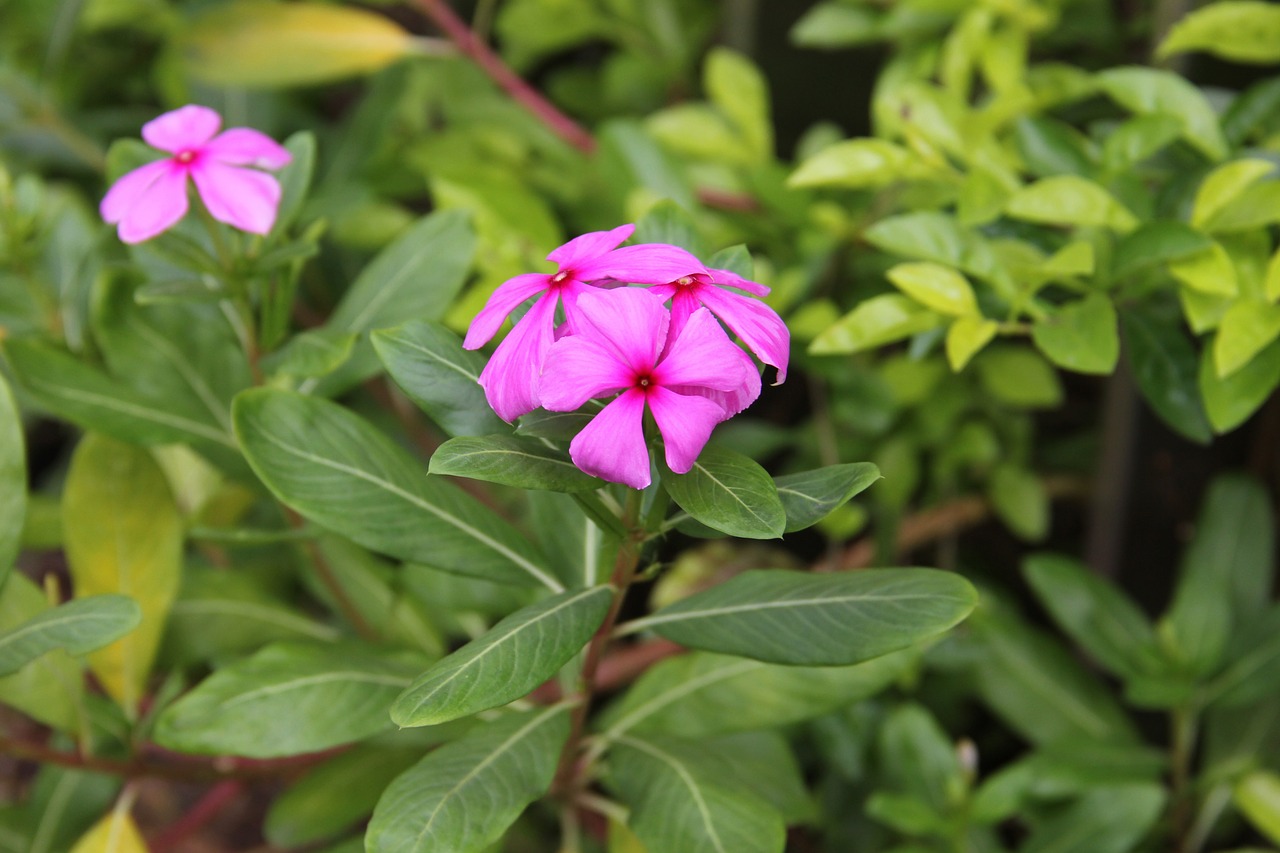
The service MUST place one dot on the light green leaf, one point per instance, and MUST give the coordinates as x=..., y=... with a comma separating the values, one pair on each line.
x=879, y=320
x=918, y=757
x=1222, y=186
x=1156, y=243
x=123, y=535
x=288, y=698
x=295, y=178
x=1164, y=366
x=1070, y=200
x=1147, y=91
x=810, y=496
x=935, y=286
x=858, y=164
x=1072, y=259
x=1019, y=377
x=311, y=354
x=1082, y=336
x=937, y=237
x=1257, y=795
x=1237, y=30
x=78, y=626
x=462, y=797
x=1137, y=139
x=13, y=479
x=1111, y=819
x=729, y=492
x=807, y=619
x=510, y=460
x=339, y=471
x=1255, y=207
x=1229, y=401
x=738, y=89
x=966, y=337
x=429, y=364
x=1019, y=499
x=1248, y=327
x=1050, y=147
x=50, y=689
x=828, y=26
x=675, y=808
x=511, y=659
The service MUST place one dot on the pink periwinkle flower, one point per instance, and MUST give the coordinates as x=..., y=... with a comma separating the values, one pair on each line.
x=622, y=343
x=511, y=377
x=152, y=198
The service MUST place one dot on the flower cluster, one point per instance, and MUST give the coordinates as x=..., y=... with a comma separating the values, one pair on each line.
x=152, y=198
x=589, y=334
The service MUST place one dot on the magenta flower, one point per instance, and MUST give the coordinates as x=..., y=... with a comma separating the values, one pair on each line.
x=152, y=198
x=510, y=379
x=621, y=343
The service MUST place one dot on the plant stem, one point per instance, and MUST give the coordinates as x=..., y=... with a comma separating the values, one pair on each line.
x=330, y=581
x=206, y=809
x=1183, y=724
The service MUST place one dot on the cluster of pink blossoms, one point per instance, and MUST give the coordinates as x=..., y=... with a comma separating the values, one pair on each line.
x=609, y=338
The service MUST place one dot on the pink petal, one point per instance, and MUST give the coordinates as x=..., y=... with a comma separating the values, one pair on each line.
x=629, y=322
x=759, y=326
x=732, y=401
x=732, y=279
x=685, y=423
x=131, y=186
x=570, y=290
x=577, y=369
x=157, y=208
x=589, y=246
x=505, y=299
x=182, y=129
x=511, y=377
x=648, y=263
x=683, y=303
x=703, y=356
x=612, y=446
x=243, y=146
x=243, y=198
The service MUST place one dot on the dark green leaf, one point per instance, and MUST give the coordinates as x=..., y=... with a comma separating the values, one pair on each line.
x=729, y=492
x=339, y=471
x=1156, y=243
x=510, y=460
x=1230, y=400
x=810, y=496
x=78, y=626
x=1105, y=820
x=668, y=222
x=1051, y=147
x=1165, y=367
x=1020, y=500
x=295, y=179
x=919, y=757
x=1253, y=671
x=311, y=354
x=1254, y=110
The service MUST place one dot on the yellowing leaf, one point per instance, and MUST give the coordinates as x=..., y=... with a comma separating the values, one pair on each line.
x=1246, y=329
x=1258, y=797
x=966, y=337
x=123, y=535
x=935, y=286
x=1221, y=186
x=115, y=833
x=268, y=45
x=1209, y=271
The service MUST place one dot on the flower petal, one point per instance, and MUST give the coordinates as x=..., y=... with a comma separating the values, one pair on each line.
x=157, y=208
x=577, y=369
x=704, y=356
x=511, y=377
x=184, y=128
x=589, y=246
x=244, y=146
x=759, y=326
x=243, y=198
x=612, y=446
x=505, y=299
x=628, y=322
x=648, y=263
x=732, y=279
x=124, y=193
x=685, y=422
x=732, y=401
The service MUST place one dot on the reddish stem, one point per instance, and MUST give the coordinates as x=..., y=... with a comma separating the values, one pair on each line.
x=215, y=800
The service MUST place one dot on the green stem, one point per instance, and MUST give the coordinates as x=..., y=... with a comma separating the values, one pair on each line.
x=1184, y=722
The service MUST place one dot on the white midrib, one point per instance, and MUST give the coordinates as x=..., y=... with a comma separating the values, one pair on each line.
x=630, y=720
x=687, y=778
x=784, y=604
x=309, y=680
x=732, y=493
x=457, y=368
x=153, y=415
x=10, y=638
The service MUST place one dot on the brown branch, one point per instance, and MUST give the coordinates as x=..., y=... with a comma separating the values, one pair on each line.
x=206, y=809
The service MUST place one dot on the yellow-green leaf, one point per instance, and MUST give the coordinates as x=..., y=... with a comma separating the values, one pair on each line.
x=879, y=320
x=935, y=286
x=1223, y=185
x=738, y=89
x=13, y=479
x=268, y=45
x=1272, y=286
x=123, y=535
x=1070, y=200
x=1241, y=31
x=51, y=687
x=1072, y=259
x=857, y=164
x=1258, y=797
x=966, y=338
x=114, y=833
x=1081, y=336
x=1246, y=329
x=1209, y=271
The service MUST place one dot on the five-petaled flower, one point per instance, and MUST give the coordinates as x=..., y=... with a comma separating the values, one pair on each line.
x=623, y=343
x=152, y=198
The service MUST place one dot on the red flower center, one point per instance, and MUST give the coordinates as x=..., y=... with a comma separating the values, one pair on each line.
x=185, y=157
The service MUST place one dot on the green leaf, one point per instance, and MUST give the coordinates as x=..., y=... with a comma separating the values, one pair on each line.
x=429, y=364
x=1137, y=139
x=1147, y=90
x=1253, y=669
x=1081, y=336
x=78, y=626
x=1257, y=796
x=295, y=178
x=828, y=26
x=13, y=479
x=287, y=699
x=1255, y=207
x=738, y=89
x=876, y=321
x=810, y=619
x=935, y=286
x=1096, y=614
x=810, y=496
x=511, y=659
x=1050, y=147
x=311, y=354
x=1110, y=819
x=735, y=259
x=49, y=689
x=729, y=492
x=510, y=460
x=1222, y=186
x=1252, y=112
x=1156, y=243
x=1229, y=401
x=699, y=694
x=1248, y=327
x=1019, y=377
x=340, y=472
x=462, y=797
x=919, y=757
x=123, y=535
x=1164, y=366
x=858, y=164
x=1070, y=200
x=760, y=761
x=966, y=337
x=1210, y=271
x=937, y=237
x=1019, y=499
x=1237, y=30
x=675, y=808
x=668, y=222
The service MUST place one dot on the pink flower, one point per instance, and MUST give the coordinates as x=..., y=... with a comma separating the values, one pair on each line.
x=621, y=343
x=510, y=379
x=152, y=198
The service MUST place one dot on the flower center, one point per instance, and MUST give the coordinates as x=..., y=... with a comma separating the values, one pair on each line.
x=644, y=381
x=185, y=157
x=684, y=281
x=559, y=277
